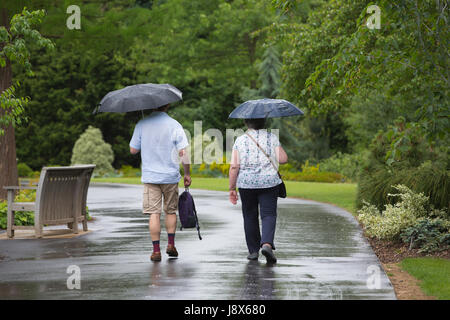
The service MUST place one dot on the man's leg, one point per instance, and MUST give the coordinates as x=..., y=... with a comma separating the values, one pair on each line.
x=152, y=201
x=170, y=192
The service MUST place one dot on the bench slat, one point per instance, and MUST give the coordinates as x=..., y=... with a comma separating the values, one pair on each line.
x=62, y=221
x=23, y=227
x=23, y=206
x=19, y=188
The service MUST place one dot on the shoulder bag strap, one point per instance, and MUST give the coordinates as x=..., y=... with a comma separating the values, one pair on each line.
x=265, y=153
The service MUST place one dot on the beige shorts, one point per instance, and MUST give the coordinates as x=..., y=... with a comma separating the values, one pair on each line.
x=153, y=198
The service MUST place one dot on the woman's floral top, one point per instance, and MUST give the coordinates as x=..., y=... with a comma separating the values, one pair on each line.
x=256, y=171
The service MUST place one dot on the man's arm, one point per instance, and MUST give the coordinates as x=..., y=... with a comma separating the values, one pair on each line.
x=134, y=151
x=185, y=160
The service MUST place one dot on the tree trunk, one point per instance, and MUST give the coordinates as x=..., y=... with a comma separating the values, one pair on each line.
x=8, y=162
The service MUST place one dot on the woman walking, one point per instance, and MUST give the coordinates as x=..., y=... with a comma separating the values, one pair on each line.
x=253, y=171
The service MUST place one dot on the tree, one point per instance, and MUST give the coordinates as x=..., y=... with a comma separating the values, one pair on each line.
x=407, y=59
x=16, y=38
x=90, y=148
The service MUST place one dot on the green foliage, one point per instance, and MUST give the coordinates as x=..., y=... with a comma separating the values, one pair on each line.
x=16, y=42
x=349, y=165
x=90, y=148
x=394, y=219
x=128, y=171
x=375, y=185
x=21, y=218
x=67, y=87
x=430, y=235
x=405, y=58
x=24, y=170
x=309, y=173
x=418, y=165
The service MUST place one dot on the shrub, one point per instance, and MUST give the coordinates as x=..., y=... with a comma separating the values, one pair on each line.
x=349, y=165
x=395, y=218
x=90, y=148
x=24, y=171
x=129, y=172
x=21, y=218
x=429, y=179
x=428, y=234
x=309, y=173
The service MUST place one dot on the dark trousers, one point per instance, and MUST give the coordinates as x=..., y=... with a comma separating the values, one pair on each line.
x=266, y=200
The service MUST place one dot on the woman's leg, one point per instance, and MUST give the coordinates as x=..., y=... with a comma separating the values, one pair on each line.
x=268, y=209
x=249, y=201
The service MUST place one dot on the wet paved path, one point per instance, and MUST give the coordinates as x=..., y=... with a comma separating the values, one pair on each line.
x=320, y=249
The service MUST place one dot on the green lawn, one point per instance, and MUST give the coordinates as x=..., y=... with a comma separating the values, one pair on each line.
x=341, y=194
x=434, y=273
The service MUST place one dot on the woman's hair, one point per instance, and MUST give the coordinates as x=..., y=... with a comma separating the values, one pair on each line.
x=255, y=123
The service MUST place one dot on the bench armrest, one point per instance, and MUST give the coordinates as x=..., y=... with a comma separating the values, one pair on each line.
x=19, y=187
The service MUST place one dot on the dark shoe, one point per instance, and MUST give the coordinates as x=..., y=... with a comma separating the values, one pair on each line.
x=268, y=253
x=172, y=251
x=253, y=256
x=156, y=256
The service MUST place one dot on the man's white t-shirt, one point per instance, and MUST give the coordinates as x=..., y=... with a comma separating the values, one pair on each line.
x=159, y=138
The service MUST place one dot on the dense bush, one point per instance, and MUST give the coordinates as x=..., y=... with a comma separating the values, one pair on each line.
x=394, y=220
x=432, y=181
x=129, y=172
x=414, y=162
x=428, y=234
x=24, y=171
x=90, y=148
x=349, y=165
x=21, y=218
x=309, y=173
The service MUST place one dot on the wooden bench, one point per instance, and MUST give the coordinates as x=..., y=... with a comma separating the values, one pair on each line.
x=60, y=199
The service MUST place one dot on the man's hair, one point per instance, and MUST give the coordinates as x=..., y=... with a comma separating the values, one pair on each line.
x=163, y=108
x=255, y=123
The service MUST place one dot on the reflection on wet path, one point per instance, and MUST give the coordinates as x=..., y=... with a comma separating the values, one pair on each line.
x=321, y=255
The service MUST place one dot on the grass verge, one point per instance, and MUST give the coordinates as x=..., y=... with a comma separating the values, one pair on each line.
x=341, y=194
x=434, y=274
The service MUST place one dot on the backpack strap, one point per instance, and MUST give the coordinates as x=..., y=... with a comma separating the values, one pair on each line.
x=196, y=221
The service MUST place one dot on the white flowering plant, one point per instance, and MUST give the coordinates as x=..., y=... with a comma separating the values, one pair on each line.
x=391, y=222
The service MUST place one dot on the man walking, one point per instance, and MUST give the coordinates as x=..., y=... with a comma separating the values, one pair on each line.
x=162, y=142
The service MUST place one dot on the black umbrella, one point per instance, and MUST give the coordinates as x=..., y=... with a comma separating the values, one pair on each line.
x=265, y=108
x=139, y=97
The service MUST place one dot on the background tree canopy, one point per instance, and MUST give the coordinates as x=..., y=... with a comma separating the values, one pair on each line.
x=351, y=81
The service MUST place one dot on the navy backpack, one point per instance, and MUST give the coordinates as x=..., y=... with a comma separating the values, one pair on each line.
x=187, y=212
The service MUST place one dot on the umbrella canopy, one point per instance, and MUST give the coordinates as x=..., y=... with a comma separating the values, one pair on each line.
x=265, y=108
x=139, y=97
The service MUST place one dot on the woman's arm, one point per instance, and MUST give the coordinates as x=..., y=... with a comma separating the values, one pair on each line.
x=281, y=155
x=233, y=174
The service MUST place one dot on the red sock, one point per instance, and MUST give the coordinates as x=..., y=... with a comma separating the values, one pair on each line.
x=156, y=246
x=171, y=238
